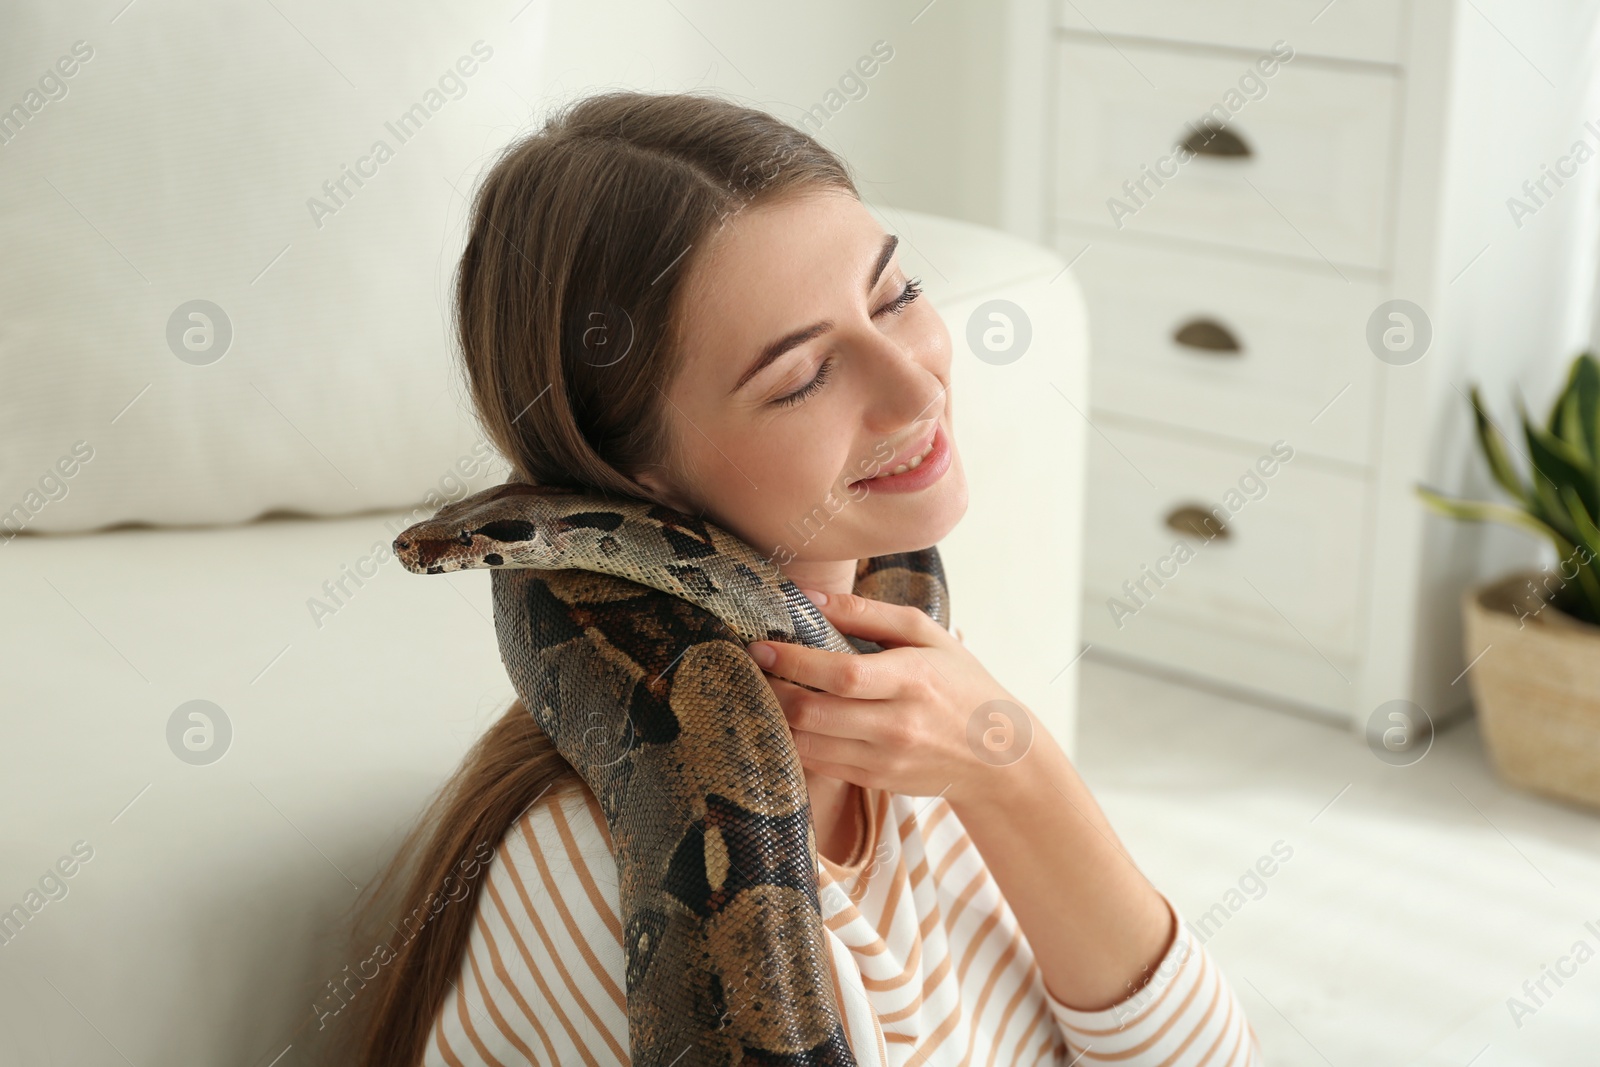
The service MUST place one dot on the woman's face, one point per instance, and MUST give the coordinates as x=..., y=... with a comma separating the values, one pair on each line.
x=808, y=367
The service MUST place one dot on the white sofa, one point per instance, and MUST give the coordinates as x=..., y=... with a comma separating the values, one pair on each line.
x=209, y=916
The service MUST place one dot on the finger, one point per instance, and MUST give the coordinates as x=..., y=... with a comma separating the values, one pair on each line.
x=825, y=713
x=889, y=625
x=833, y=751
x=841, y=673
x=845, y=773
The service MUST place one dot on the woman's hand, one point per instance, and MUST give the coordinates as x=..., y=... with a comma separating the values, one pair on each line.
x=921, y=718
x=924, y=718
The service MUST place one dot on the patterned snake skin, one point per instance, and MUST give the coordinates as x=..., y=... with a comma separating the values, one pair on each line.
x=622, y=626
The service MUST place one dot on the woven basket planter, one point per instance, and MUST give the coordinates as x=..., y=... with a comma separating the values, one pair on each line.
x=1536, y=689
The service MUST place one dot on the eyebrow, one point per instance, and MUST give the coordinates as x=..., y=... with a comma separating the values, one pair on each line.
x=801, y=336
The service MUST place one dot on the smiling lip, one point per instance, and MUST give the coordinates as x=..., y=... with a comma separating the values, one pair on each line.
x=930, y=470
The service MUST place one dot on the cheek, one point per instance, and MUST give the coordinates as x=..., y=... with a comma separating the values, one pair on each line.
x=931, y=340
x=801, y=459
x=759, y=480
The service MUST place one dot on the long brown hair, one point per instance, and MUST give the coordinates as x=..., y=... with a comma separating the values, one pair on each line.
x=580, y=237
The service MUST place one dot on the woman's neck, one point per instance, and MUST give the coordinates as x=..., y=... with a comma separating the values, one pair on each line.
x=835, y=804
x=826, y=576
x=835, y=809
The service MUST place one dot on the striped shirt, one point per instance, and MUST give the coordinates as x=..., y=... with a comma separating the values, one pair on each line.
x=930, y=967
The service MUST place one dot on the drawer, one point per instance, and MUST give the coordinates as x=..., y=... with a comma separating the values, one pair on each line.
x=1310, y=177
x=1222, y=658
x=1232, y=346
x=1343, y=29
x=1286, y=575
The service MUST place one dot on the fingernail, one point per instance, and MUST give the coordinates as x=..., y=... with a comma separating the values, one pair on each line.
x=816, y=596
x=763, y=654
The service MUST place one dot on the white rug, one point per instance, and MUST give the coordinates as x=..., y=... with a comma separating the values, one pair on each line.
x=1416, y=901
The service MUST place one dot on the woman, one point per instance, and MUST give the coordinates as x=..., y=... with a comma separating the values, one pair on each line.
x=681, y=300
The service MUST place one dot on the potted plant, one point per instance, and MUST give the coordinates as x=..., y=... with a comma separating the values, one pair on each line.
x=1533, y=638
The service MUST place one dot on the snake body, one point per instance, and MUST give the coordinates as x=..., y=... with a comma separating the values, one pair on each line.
x=623, y=628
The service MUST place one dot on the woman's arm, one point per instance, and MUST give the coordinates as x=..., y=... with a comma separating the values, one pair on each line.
x=1176, y=1008
x=1096, y=924
x=899, y=720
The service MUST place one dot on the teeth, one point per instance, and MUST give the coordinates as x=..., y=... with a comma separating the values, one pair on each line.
x=911, y=465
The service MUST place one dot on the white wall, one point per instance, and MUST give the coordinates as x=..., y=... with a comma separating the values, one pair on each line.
x=1531, y=78
x=925, y=135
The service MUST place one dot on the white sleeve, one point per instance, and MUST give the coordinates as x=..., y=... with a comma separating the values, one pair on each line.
x=1186, y=1014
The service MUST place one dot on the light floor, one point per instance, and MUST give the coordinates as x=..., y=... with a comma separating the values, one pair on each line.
x=1413, y=905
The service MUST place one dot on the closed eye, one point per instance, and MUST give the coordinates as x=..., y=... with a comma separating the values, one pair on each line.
x=905, y=298
x=907, y=295
x=789, y=399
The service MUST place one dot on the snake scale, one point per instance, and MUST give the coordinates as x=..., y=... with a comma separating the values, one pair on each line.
x=623, y=626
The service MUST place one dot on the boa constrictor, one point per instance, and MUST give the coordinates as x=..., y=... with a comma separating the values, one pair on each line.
x=623, y=628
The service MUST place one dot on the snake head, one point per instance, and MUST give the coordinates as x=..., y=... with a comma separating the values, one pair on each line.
x=510, y=525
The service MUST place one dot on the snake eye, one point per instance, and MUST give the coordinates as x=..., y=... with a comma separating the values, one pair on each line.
x=465, y=537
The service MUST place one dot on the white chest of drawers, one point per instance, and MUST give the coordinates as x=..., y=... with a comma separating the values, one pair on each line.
x=1240, y=185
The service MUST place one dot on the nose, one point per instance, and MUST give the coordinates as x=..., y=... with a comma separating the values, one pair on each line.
x=906, y=385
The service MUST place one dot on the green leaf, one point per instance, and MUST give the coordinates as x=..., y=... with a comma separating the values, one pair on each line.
x=1588, y=575
x=1589, y=542
x=1584, y=383
x=1558, y=464
x=1555, y=421
x=1581, y=411
x=1566, y=423
x=1484, y=511
x=1494, y=452
x=1549, y=509
x=1571, y=429
x=1582, y=522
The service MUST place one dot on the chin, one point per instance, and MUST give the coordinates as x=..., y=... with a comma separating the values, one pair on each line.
x=862, y=527
x=945, y=509
x=913, y=521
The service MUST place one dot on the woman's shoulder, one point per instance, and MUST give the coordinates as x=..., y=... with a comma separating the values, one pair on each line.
x=551, y=884
x=544, y=964
x=559, y=841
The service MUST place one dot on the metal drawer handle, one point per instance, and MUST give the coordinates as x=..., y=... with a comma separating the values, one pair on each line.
x=1193, y=520
x=1209, y=139
x=1207, y=335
